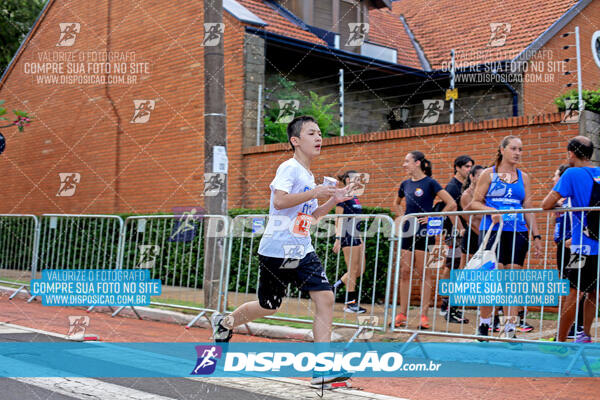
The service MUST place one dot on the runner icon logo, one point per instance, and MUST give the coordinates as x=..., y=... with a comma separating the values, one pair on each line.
x=143, y=108
x=358, y=34
x=207, y=359
x=77, y=325
x=213, y=31
x=68, y=183
x=68, y=33
x=500, y=31
x=431, y=111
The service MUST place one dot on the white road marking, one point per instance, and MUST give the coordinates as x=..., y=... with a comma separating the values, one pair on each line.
x=93, y=389
x=292, y=389
x=90, y=389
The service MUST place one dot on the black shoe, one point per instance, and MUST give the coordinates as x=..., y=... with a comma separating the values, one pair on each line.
x=455, y=317
x=572, y=334
x=220, y=333
x=496, y=323
x=444, y=307
x=483, y=330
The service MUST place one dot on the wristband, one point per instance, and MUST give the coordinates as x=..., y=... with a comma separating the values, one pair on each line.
x=537, y=237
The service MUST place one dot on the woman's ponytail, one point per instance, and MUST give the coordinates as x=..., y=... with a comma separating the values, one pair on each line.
x=425, y=163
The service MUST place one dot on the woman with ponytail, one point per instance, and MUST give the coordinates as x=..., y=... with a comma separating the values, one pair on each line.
x=505, y=187
x=418, y=193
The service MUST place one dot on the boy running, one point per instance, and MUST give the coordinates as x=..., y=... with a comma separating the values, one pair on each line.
x=285, y=253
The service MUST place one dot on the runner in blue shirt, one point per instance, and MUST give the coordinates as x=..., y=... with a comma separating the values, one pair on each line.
x=576, y=184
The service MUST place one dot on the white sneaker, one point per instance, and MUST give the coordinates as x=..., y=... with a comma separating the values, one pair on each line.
x=220, y=333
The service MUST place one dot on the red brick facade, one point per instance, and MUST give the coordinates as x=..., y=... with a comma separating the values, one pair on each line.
x=77, y=128
x=381, y=154
x=154, y=166
x=538, y=97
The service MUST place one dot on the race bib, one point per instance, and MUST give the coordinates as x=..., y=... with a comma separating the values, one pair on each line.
x=302, y=224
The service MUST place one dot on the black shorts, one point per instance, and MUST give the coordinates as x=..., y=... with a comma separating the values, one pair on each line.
x=505, y=246
x=350, y=241
x=420, y=242
x=473, y=240
x=589, y=274
x=276, y=273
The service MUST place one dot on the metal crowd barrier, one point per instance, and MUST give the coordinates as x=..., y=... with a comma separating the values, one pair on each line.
x=376, y=231
x=79, y=241
x=173, y=247
x=19, y=240
x=545, y=319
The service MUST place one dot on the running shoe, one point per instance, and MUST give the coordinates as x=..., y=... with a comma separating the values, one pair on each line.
x=424, y=322
x=319, y=379
x=455, y=317
x=458, y=313
x=524, y=327
x=353, y=307
x=220, y=333
x=582, y=338
x=400, y=320
x=483, y=330
x=572, y=334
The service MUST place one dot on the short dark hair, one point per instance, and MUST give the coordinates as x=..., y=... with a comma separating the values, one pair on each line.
x=461, y=161
x=295, y=127
x=562, y=168
x=582, y=147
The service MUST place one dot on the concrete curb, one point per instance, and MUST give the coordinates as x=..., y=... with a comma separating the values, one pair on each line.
x=178, y=318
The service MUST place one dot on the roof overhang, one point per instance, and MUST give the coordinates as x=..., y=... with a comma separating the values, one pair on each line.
x=382, y=3
x=338, y=54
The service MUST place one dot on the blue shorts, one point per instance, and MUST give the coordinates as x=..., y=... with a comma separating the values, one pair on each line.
x=306, y=274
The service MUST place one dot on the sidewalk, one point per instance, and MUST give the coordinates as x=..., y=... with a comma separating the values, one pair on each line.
x=126, y=329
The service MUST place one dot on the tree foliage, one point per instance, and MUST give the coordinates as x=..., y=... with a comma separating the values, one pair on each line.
x=16, y=19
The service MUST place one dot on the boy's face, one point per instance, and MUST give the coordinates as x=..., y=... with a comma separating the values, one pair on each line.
x=309, y=141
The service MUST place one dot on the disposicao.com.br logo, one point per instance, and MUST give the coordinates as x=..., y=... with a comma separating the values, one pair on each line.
x=213, y=360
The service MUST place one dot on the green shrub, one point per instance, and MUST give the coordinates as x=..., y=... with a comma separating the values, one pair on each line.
x=591, y=99
x=317, y=106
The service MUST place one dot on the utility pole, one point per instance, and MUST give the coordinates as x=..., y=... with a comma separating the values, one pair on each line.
x=579, y=88
x=341, y=102
x=452, y=75
x=215, y=136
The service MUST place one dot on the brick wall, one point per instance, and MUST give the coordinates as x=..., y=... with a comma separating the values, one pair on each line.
x=154, y=166
x=539, y=96
x=381, y=154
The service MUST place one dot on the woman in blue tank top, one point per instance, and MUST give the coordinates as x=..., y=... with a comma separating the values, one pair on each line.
x=505, y=187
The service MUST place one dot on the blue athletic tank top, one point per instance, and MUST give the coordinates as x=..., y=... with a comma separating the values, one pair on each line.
x=505, y=196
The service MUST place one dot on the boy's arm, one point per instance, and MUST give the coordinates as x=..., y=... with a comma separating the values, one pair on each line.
x=282, y=200
x=339, y=196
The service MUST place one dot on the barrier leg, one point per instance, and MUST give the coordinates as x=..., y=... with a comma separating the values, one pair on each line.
x=414, y=337
x=196, y=318
x=121, y=309
x=585, y=361
x=31, y=299
x=17, y=291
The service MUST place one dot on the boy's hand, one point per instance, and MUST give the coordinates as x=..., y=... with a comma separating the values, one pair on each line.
x=322, y=191
x=341, y=195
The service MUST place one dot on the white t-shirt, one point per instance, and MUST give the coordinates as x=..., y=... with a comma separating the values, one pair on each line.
x=281, y=238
